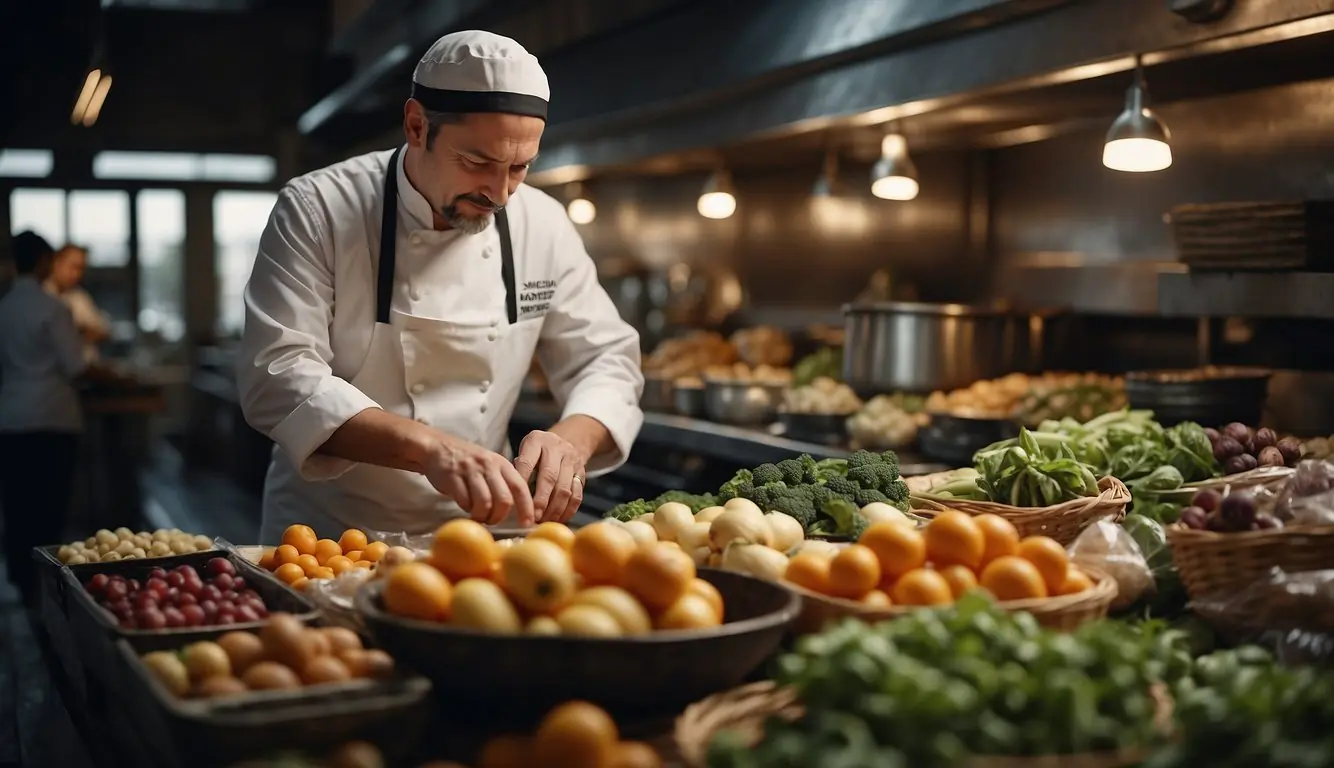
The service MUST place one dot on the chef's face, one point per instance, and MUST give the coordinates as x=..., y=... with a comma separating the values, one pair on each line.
x=467, y=166
x=67, y=267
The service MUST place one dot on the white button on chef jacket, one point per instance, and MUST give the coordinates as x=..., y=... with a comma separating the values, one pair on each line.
x=312, y=355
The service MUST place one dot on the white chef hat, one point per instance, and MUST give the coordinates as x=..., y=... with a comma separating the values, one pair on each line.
x=477, y=71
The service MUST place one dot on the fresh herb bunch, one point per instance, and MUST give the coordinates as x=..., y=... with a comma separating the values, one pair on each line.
x=640, y=507
x=819, y=493
x=931, y=688
x=1035, y=469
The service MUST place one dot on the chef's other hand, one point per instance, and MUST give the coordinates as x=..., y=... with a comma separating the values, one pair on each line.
x=559, y=469
x=482, y=482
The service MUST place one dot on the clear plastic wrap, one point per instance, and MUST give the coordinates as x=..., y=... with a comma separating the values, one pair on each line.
x=1292, y=613
x=1111, y=549
x=1306, y=498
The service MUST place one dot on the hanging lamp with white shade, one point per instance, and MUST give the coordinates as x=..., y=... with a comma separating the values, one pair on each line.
x=580, y=208
x=718, y=200
x=1138, y=141
x=894, y=176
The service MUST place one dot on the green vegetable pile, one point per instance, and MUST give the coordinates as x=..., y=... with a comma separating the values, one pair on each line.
x=938, y=685
x=824, y=362
x=1035, y=469
x=639, y=507
x=823, y=496
x=1239, y=709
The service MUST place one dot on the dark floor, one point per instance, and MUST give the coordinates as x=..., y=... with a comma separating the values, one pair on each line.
x=35, y=729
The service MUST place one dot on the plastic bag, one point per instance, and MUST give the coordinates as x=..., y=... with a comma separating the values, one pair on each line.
x=1111, y=549
x=1292, y=613
x=1306, y=498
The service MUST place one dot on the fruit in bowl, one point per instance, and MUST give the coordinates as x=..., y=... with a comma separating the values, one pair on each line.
x=180, y=597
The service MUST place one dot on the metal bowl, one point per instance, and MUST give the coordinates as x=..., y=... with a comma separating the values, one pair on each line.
x=478, y=673
x=954, y=439
x=820, y=428
x=657, y=395
x=689, y=401
x=742, y=403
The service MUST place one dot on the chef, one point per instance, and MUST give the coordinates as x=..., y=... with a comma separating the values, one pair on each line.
x=395, y=306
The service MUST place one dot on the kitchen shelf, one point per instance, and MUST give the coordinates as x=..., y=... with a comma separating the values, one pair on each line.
x=1294, y=295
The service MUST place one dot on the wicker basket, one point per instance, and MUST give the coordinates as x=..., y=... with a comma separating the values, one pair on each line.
x=1255, y=478
x=745, y=710
x=1211, y=563
x=1062, y=522
x=1063, y=613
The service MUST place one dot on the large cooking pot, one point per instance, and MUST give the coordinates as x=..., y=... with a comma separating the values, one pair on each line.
x=919, y=347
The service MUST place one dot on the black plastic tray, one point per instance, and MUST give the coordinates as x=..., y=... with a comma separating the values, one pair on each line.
x=391, y=713
x=49, y=569
x=95, y=630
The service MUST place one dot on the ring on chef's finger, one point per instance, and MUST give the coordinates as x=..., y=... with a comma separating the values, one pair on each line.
x=578, y=480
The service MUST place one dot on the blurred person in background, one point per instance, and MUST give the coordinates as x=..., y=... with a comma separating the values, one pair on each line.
x=62, y=280
x=41, y=356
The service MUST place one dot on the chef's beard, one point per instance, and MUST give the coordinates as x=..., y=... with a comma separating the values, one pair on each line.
x=469, y=225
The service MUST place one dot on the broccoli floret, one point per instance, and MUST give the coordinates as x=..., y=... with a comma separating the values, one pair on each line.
x=867, y=496
x=896, y=491
x=767, y=473
x=793, y=471
x=859, y=526
x=810, y=469
x=742, y=491
x=842, y=486
x=862, y=458
x=873, y=476
x=731, y=488
x=696, y=501
x=764, y=495
x=630, y=510
x=820, y=495
x=840, y=517
x=796, y=502
x=892, y=459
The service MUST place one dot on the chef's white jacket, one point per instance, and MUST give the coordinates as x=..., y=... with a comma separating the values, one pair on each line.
x=312, y=354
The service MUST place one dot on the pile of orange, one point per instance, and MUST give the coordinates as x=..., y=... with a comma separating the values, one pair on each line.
x=597, y=582
x=303, y=555
x=572, y=735
x=954, y=553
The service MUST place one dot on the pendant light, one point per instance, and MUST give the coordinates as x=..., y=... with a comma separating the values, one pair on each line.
x=580, y=209
x=826, y=184
x=894, y=177
x=93, y=94
x=1138, y=142
x=718, y=200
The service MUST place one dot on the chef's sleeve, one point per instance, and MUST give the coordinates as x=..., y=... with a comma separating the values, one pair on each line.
x=288, y=390
x=67, y=343
x=589, y=354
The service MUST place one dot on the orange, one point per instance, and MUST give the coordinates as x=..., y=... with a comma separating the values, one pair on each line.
x=351, y=541
x=339, y=564
x=325, y=549
x=959, y=578
x=1000, y=536
x=464, y=549
x=853, y=572
x=952, y=538
x=690, y=612
x=809, y=570
x=309, y=564
x=600, y=551
x=1013, y=578
x=877, y=599
x=300, y=584
x=374, y=551
x=302, y=537
x=354, y=555
x=922, y=587
x=286, y=554
x=269, y=560
x=711, y=595
x=507, y=752
x=538, y=575
x=634, y=754
x=556, y=533
x=288, y=573
x=324, y=572
x=899, y=549
x=497, y=573
x=364, y=564
x=1049, y=557
x=418, y=591
x=575, y=734
x=1076, y=581
x=658, y=575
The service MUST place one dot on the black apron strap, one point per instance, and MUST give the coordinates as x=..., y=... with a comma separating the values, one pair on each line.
x=507, y=266
x=384, y=286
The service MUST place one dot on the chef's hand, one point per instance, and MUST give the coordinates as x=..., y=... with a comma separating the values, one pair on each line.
x=482, y=482
x=559, y=468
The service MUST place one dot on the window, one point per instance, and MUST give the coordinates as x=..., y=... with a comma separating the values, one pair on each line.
x=239, y=219
x=26, y=163
x=160, y=214
x=99, y=220
x=182, y=166
x=40, y=210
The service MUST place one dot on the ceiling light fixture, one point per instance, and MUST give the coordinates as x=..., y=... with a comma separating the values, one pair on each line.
x=718, y=200
x=894, y=176
x=1138, y=142
x=580, y=209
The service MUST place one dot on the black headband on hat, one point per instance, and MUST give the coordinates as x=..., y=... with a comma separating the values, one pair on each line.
x=463, y=102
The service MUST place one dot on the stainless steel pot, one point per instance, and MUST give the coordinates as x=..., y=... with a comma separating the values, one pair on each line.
x=742, y=403
x=918, y=347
